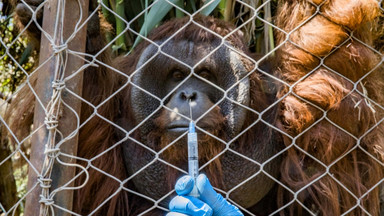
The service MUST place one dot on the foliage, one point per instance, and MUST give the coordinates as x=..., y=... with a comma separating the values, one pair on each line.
x=20, y=174
x=16, y=59
x=141, y=16
x=14, y=53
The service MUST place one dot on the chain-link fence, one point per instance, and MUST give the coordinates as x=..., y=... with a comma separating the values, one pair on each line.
x=287, y=98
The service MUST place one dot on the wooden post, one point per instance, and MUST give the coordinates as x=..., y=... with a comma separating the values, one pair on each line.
x=67, y=120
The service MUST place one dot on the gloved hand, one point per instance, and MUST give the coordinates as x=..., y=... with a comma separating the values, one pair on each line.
x=209, y=203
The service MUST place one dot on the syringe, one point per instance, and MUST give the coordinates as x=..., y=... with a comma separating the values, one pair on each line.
x=193, y=155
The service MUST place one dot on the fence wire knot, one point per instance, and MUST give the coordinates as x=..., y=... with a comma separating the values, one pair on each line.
x=46, y=201
x=59, y=48
x=44, y=182
x=52, y=153
x=51, y=122
x=58, y=85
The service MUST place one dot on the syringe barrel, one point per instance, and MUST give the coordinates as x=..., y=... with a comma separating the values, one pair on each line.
x=193, y=161
x=193, y=152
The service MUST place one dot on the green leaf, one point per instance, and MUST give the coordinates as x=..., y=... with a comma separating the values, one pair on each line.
x=208, y=10
x=26, y=53
x=107, y=14
x=179, y=13
x=221, y=7
x=154, y=17
x=191, y=6
x=120, y=25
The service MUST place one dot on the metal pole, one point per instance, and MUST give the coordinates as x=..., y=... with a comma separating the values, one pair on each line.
x=44, y=89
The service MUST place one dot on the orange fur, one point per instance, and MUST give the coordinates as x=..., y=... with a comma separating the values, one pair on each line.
x=324, y=90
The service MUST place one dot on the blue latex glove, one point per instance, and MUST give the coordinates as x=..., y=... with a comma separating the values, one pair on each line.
x=209, y=203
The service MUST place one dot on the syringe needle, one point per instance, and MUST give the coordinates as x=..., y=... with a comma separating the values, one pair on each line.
x=190, y=109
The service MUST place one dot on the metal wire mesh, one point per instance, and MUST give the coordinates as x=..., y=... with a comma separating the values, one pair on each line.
x=55, y=140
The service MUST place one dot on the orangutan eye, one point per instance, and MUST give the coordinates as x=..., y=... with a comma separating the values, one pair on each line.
x=177, y=75
x=205, y=75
